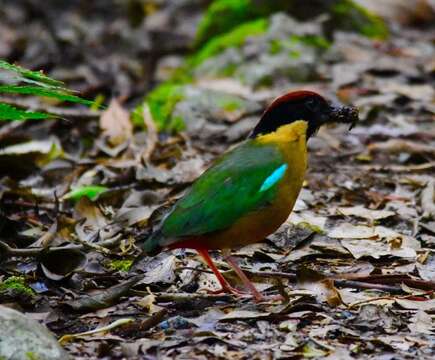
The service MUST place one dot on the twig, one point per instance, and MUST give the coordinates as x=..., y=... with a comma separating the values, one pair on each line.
x=397, y=279
x=6, y=250
x=27, y=204
x=194, y=269
x=153, y=320
x=337, y=281
x=183, y=297
x=394, y=168
x=365, y=285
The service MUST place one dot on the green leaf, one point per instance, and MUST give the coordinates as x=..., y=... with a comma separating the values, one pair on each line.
x=28, y=74
x=56, y=93
x=8, y=112
x=91, y=192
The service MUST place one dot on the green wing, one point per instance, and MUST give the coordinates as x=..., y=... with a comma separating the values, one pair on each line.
x=224, y=193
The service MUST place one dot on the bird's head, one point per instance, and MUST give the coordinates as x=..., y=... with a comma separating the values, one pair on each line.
x=303, y=105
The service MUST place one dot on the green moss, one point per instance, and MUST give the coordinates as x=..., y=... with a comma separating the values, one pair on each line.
x=232, y=104
x=348, y=15
x=275, y=47
x=18, y=284
x=162, y=101
x=316, y=41
x=311, y=227
x=228, y=70
x=234, y=38
x=176, y=124
x=120, y=265
x=32, y=356
x=224, y=15
x=265, y=81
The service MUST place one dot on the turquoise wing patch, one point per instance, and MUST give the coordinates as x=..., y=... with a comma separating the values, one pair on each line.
x=274, y=178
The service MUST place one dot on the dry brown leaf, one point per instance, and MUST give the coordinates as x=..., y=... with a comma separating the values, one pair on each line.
x=428, y=198
x=115, y=123
x=320, y=285
x=422, y=323
x=152, y=134
x=361, y=211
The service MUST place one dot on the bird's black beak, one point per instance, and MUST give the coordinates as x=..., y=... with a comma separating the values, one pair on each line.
x=343, y=114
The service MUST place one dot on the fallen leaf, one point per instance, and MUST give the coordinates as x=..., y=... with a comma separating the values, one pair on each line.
x=320, y=285
x=60, y=263
x=426, y=305
x=421, y=323
x=361, y=211
x=376, y=249
x=349, y=231
x=115, y=123
x=162, y=271
x=428, y=198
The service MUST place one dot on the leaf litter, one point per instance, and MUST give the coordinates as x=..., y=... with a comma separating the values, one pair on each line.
x=354, y=263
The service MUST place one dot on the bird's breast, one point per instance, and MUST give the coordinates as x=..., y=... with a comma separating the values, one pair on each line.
x=256, y=225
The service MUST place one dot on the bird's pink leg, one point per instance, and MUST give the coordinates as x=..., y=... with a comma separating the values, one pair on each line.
x=248, y=284
x=226, y=287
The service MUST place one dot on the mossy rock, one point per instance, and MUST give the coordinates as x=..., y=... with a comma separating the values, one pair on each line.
x=235, y=38
x=224, y=15
x=24, y=338
x=282, y=49
x=188, y=107
x=347, y=15
x=162, y=101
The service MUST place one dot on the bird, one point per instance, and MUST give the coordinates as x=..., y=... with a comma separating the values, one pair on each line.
x=250, y=190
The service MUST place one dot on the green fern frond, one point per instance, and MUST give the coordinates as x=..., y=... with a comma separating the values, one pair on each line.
x=36, y=76
x=20, y=81
x=9, y=113
x=56, y=93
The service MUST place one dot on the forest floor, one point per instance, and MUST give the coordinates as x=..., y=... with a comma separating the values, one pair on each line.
x=355, y=261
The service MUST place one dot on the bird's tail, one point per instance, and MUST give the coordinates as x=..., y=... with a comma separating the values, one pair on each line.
x=151, y=246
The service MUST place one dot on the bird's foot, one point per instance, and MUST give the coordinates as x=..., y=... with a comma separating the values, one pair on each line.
x=229, y=290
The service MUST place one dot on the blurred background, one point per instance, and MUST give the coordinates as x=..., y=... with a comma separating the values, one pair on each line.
x=124, y=47
x=173, y=84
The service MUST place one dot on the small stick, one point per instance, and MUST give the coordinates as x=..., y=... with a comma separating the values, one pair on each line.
x=6, y=250
x=183, y=297
x=357, y=284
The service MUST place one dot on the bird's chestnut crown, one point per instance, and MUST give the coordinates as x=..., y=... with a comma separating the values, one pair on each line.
x=303, y=105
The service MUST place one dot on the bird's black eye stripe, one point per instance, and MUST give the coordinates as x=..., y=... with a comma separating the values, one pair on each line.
x=312, y=105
